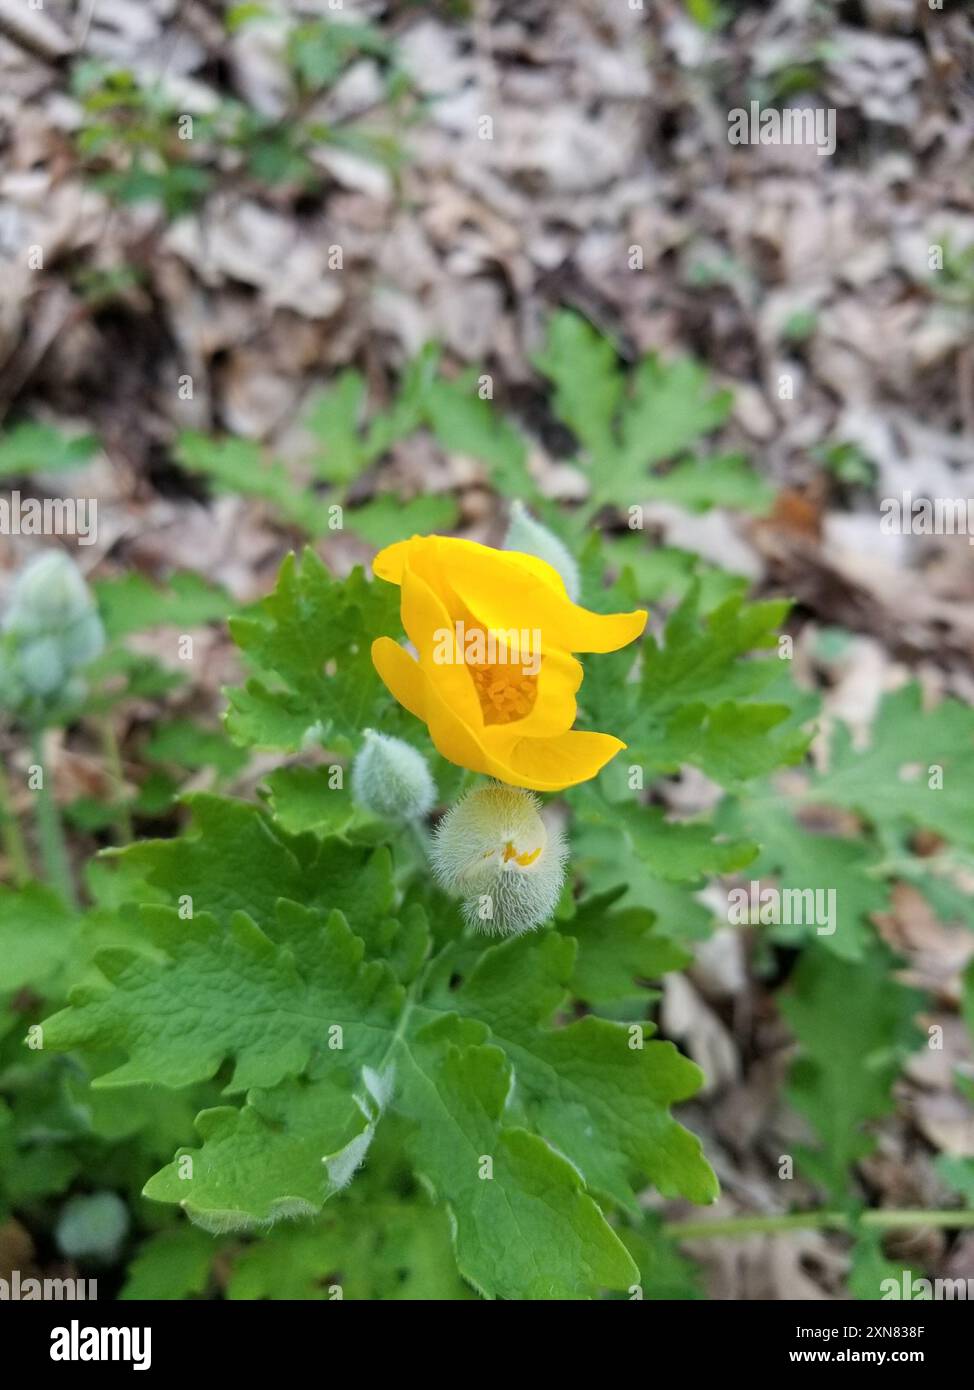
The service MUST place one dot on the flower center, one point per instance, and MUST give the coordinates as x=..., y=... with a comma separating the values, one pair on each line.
x=528, y=857
x=511, y=854
x=505, y=692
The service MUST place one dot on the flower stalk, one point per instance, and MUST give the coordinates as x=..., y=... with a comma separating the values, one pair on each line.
x=740, y=1226
x=50, y=832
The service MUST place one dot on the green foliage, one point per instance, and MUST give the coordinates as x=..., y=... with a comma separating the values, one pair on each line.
x=33, y=448
x=849, y=464
x=320, y=50
x=664, y=1273
x=661, y=863
x=36, y=930
x=171, y=1264
x=239, y=467
x=954, y=284
x=304, y=972
x=310, y=645
x=271, y=1033
x=348, y=446
x=958, y=1173
x=913, y=776
x=628, y=426
x=636, y=434
x=569, y=1078
x=918, y=768
x=131, y=603
x=693, y=699
x=349, y=1015
x=869, y=1267
x=617, y=949
x=805, y=860
x=139, y=144
x=188, y=746
x=686, y=697
x=302, y=801
x=854, y=1026
x=369, y=1243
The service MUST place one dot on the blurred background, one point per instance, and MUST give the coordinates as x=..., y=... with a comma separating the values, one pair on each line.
x=265, y=260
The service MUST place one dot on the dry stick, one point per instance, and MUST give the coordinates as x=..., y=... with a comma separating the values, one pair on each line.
x=815, y=1220
x=11, y=835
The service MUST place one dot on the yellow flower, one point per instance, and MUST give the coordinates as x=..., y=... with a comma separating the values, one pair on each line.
x=495, y=681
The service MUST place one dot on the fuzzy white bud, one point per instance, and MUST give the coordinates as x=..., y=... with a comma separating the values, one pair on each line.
x=53, y=623
x=494, y=851
x=391, y=779
x=49, y=592
x=531, y=538
x=92, y=1227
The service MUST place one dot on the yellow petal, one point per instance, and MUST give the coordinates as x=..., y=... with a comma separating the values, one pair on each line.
x=550, y=764
x=541, y=764
x=401, y=675
x=503, y=592
x=454, y=739
x=444, y=579
x=450, y=549
x=427, y=622
x=406, y=681
x=389, y=562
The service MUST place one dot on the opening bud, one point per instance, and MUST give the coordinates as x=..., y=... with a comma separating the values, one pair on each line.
x=494, y=851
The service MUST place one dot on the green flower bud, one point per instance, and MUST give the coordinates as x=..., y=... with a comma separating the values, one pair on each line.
x=531, y=538
x=92, y=1227
x=494, y=851
x=49, y=594
x=42, y=666
x=85, y=641
x=13, y=691
x=391, y=779
x=52, y=629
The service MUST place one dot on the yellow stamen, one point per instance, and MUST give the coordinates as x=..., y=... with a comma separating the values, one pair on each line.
x=528, y=857
x=505, y=693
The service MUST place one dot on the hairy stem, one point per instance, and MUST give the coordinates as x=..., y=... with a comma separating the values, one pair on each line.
x=50, y=834
x=816, y=1220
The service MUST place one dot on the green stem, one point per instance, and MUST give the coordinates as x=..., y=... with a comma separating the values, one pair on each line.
x=113, y=759
x=421, y=840
x=50, y=834
x=816, y=1220
x=11, y=835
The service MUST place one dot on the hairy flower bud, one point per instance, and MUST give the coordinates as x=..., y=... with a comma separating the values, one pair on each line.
x=49, y=593
x=41, y=667
x=53, y=622
x=92, y=1227
x=391, y=779
x=528, y=536
x=494, y=850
